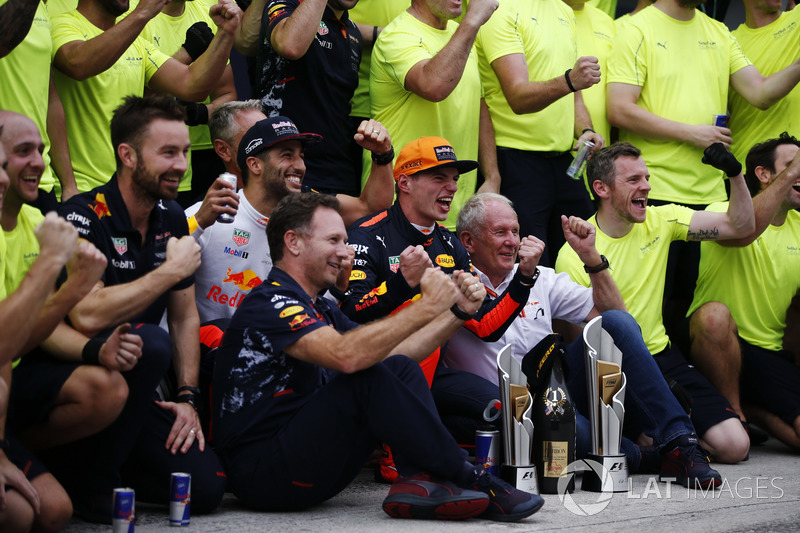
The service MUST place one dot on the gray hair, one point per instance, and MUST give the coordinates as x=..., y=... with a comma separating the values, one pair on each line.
x=222, y=122
x=473, y=214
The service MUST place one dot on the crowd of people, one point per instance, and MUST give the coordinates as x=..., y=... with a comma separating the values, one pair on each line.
x=401, y=212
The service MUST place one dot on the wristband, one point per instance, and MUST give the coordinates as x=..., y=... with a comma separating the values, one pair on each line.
x=91, y=351
x=569, y=83
x=193, y=390
x=587, y=129
x=191, y=399
x=460, y=314
x=384, y=159
x=598, y=268
x=528, y=281
x=374, y=34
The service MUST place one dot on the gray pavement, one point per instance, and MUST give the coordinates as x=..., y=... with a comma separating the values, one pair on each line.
x=761, y=494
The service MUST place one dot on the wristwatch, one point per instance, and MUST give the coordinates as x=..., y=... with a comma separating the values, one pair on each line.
x=598, y=268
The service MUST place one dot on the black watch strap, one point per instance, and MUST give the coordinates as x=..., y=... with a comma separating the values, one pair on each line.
x=598, y=268
x=191, y=399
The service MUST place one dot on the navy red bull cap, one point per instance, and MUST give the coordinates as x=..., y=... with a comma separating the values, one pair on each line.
x=429, y=152
x=268, y=132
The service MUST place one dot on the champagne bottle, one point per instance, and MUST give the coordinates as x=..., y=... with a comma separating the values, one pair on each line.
x=554, y=429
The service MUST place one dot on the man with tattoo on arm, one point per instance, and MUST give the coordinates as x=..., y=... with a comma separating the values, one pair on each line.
x=635, y=240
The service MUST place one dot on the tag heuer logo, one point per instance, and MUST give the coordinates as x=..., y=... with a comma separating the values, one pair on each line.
x=120, y=244
x=394, y=263
x=241, y=237
x=323, y=28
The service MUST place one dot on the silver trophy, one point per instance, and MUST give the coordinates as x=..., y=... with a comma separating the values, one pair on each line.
x=517, y=404
x=605, y=384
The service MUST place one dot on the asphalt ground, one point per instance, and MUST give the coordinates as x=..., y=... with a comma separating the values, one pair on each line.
x=761, y=494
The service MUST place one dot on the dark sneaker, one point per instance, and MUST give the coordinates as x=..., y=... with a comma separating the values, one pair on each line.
x=506, y=502
x=649, y=461
x=385, y=470
x=423, y=496
x=687, y=463
x=757, y=435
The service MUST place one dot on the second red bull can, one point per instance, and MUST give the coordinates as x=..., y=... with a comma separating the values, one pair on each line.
x=180, y=497
x=124, y=516
x=721, y=121
x=227, y=218
x=487, y=451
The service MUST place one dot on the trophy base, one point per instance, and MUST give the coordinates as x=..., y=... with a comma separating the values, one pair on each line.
x=608, y=474
x=522, y=477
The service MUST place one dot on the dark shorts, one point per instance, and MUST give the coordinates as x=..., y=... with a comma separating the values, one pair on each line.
x=36, y=382
x=770, y=380
x=709, y=407
x=24, y=459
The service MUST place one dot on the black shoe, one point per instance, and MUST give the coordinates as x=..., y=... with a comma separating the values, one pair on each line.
x=423, y=496
x=688, y=464
x=757, y=435
x=506, y=502
x=649, y=461
x=96, y=508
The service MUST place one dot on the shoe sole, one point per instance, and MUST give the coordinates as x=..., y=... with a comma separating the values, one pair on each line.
x=512, y=517
x=694, y=483
x=410, y=506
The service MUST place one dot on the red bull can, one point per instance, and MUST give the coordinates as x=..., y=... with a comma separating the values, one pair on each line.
x=487, y=451
x=720, y=120
x=180, y=497
x=227, y=218
x=124, y=517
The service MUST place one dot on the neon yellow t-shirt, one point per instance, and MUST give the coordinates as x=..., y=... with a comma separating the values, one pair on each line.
x=595, y=34
x=168, y=34
x=26, y=78
x=3, y=292
x=683, y=68
x=771, y=49
x=609, y=7
x=402, y=44
x=757, y=282
x=22, y=247
x=544, y=31
x=638, y=265
x=373, y=13
x=89, y=104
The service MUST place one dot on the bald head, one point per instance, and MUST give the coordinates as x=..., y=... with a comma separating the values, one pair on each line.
x=23, y=147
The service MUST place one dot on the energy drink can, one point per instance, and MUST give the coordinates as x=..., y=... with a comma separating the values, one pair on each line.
x=487, y=451
x=720, y=120
x=227, y=218
x=124, y=517
x=575, y=170
x=180, y=497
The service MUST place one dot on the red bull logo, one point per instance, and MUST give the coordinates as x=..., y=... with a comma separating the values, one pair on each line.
x=377, y=291
x=100, y=207
x=245, y=280
x=300, y=321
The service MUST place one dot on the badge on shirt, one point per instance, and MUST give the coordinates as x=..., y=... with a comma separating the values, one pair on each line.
x=120, y=244
x=241, y=237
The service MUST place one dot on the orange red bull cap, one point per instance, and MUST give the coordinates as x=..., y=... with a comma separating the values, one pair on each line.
x=429, y=152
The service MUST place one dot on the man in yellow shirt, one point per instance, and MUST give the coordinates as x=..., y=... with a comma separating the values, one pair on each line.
x=424, y=82
x=771, y=39
x=738, y=316
x=100, y=61
x=636, y=239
